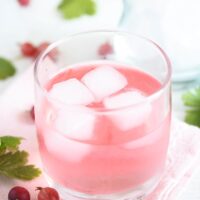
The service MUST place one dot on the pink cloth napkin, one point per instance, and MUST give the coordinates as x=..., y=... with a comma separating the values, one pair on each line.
x=182, y=161
x=16, y=101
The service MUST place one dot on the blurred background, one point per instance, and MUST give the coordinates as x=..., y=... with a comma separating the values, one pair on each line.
x=38, y=22
x=173, y=24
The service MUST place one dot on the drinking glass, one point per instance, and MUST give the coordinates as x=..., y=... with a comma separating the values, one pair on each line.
x=103, y=113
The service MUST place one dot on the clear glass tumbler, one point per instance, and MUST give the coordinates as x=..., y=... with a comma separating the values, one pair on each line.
x=103, y=115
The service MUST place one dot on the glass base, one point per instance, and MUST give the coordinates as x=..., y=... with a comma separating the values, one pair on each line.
x=139, y=193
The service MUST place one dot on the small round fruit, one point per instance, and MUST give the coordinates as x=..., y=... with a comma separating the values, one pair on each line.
x=24, y=2
x=18, y=193
x=48, y=193
x=28, y=49
x=105, y=49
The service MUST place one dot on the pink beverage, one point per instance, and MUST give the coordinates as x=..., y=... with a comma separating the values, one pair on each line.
x=104, y=136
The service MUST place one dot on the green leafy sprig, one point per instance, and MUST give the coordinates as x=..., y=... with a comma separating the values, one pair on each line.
x=13, y=162
x=191, y=99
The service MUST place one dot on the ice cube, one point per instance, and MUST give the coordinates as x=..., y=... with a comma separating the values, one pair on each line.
x=104, y=81
x=131, y=117
x=77, y=122
x=72, y=92
x=64, y=148
x=123, y=99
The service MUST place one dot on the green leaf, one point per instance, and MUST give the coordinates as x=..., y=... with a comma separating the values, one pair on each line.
x=71, y=9
x=2, y=150
x=7, y=69
x=13, y=160
x=90, y=7
x=192, y=98
x=10, y=142
x=13, y=165
x=27, y=172
x=193, y=117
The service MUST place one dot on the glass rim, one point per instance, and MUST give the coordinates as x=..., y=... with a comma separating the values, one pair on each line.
x=164, y=85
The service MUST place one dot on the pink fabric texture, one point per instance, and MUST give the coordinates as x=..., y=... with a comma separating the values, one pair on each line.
x=17, y=100
x=182, y=161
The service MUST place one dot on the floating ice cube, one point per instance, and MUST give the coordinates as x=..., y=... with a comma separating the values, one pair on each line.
x=104, y=81
x=77, y=122
x=64, y=148
x=72, y=92
x=123, y=99
x=131, y=117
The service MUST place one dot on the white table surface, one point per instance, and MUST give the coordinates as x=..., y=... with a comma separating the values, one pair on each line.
x=15, y=29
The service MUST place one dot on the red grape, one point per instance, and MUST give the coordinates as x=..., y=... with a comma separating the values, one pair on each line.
x=18, y=193
x=28, y=49
x=24, y=2
x=48, y=193
x=105, y=49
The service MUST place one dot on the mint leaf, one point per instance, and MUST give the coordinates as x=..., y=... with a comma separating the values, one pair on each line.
x=7, y=69
x=71, y=9
x=13, y=162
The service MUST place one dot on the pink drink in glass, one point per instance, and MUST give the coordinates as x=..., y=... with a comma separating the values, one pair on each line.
x=111, y=147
